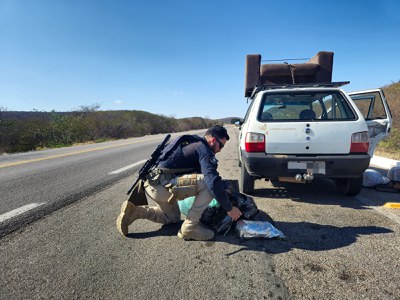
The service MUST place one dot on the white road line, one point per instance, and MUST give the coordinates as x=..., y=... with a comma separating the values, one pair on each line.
x=128, y=167
x=18, y=211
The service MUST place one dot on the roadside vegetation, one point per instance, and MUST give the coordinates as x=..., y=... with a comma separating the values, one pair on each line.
x=25, y=131
x=391, y=146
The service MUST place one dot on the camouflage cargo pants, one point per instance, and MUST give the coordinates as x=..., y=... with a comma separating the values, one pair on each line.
x=163, y=188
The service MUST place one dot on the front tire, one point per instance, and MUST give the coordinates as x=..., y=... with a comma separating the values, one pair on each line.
x=246, y=184
x=349, y=186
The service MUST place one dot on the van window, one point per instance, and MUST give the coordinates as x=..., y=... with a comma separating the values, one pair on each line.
x=300, y=106
x=370, y=105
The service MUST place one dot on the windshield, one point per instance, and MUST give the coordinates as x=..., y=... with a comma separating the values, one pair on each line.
x=300, y=106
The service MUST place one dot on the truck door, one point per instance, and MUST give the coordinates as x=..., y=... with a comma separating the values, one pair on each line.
x=376, y=112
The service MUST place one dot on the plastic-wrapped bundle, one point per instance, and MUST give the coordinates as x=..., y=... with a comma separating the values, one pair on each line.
x=372, y=178
x=394, y=173
x=186, y=204
x=257, y=229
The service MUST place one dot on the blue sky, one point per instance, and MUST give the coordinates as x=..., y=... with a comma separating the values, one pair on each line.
x=181, y=58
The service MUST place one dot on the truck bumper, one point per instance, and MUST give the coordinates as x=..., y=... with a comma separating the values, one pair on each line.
x=272, y=166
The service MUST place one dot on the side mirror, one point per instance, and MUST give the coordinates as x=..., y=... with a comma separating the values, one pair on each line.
x=237, y=121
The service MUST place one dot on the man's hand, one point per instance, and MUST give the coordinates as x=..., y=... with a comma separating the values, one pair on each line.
x=234, y=213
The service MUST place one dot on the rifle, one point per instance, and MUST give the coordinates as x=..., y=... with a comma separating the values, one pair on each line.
x=150, y=162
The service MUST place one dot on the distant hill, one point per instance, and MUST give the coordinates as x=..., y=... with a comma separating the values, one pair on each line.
x=227, y=120
x=25, y=131
x=25, y=115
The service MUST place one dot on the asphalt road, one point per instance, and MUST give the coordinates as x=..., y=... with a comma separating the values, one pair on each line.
x=37, y=183
x=336, y=248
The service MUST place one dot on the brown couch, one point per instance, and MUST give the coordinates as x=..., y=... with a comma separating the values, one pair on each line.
x=317, y=69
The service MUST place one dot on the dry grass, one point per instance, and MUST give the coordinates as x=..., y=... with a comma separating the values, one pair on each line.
x=390, y=147
x=383, y=152
x=392, y=93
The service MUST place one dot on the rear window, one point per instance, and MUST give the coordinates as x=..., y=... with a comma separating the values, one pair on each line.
x=300, y=106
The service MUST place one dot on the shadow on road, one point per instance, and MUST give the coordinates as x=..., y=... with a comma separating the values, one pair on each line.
x=322, y=192
x=300, y=235
x=306, y=236
x=165, y=230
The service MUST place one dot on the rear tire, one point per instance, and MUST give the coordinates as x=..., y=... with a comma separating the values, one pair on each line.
x=349, y=186
x=246, y=184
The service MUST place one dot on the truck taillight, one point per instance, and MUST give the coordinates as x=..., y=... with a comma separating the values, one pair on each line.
x=255, y=142
x=359, y=142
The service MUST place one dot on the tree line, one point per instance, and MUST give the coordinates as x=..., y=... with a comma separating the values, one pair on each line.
x=37, y=130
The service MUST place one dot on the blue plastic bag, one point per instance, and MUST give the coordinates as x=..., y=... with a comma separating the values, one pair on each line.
x=372, y=178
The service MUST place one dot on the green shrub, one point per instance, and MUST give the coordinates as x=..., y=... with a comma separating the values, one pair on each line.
x=25, y=131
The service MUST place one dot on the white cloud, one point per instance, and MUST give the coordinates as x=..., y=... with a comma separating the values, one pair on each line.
x=177, y=93
x=118, y=102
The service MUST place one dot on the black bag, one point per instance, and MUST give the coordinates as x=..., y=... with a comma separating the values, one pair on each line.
x=246, y=205
x=218, y=219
